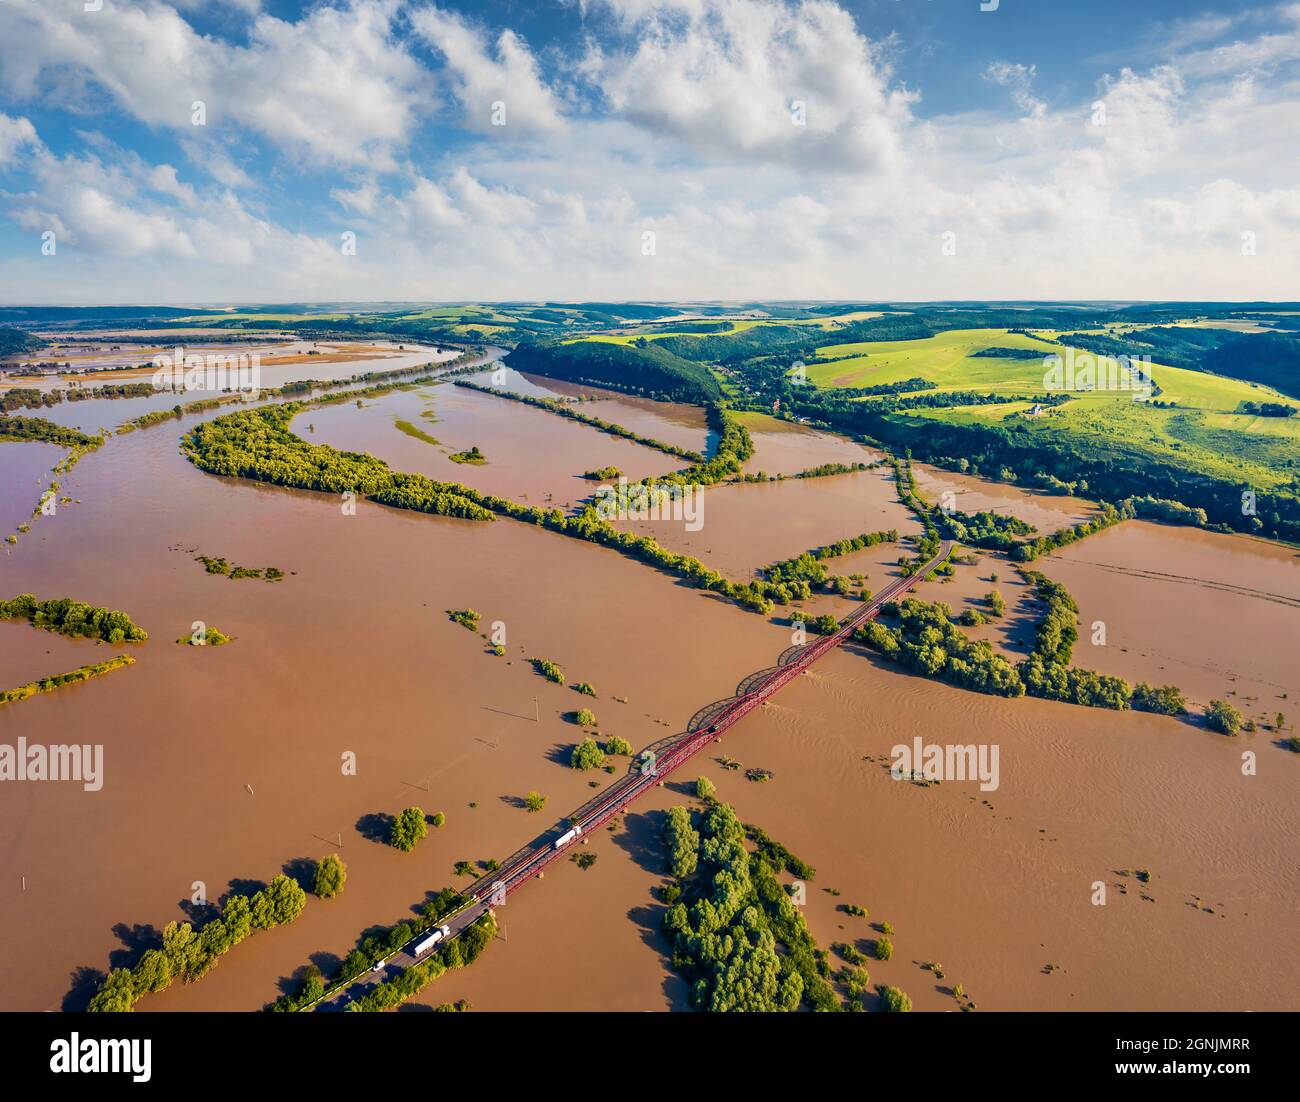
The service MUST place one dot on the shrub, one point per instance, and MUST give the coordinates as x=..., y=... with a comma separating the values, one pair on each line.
x=548, y=670
x=408, y=828
x=615, y=746
x=331, y=874
x=587, y=755
x=704, y=788
x=1223, y=717
x=586, y=718
x=884, y=948
x=894, y=1000
x=534, y=801
x=584, y=687
x=438, y=818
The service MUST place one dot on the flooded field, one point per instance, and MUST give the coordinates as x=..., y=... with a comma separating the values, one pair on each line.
x=532, y=455
x=1194, y=608
x=1046, y=512
x=995, y=886
x=224, y=765
x=96, y=415
x=748, y=526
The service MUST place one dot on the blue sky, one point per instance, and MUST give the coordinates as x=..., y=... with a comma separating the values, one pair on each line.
x=648, y=149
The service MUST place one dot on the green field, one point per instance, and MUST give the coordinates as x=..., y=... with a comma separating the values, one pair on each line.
x=944, y=359
x=1202, y=432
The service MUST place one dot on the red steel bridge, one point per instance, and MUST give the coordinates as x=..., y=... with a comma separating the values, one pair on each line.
x=649, y=769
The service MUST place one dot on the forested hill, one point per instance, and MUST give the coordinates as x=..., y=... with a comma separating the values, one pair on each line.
x=645, y=369
x=14, y=342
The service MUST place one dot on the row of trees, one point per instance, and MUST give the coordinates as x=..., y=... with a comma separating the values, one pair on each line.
x=377, y=944
x=808, y=568
x=189, y=954
x=49, y=684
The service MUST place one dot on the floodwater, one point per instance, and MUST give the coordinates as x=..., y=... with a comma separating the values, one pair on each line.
x=1046, y=512
x=670, y=422
x=1217, y=615
x=746, y=526
x=225, y=765
x=94, y=415
x=533, y=456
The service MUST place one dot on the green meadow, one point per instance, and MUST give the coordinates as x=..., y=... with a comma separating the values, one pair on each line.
x=1198, y=429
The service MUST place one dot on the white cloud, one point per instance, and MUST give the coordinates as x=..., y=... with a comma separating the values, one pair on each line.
x=1020, y=80
x=337, y=86
x=676, y=119
x=15, y=134
x=483, y=77
x=723, y=77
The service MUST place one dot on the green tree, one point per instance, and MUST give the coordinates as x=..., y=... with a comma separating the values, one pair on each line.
x=152, y=973
x=884, y=948
x=408, y=828
x=683, y=843
x=439, y=818
x=615, y=746
x=331, y=874
x=894, y=1000
x=115, y=995
x=534, y=801
x=586, y=718
x=704, y=788
x=587, y=755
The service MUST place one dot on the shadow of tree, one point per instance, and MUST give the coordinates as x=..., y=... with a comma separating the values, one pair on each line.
x=376, y=827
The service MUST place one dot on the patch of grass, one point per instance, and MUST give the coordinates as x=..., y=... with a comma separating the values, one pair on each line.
x=415, y=431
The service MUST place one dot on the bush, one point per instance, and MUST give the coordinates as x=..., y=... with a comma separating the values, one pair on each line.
x=585, y=688
x=1223, y=717
x=586, y=718
x=439, y=818
x=704, y=788
x=587, y=755
x=408, y=828
x=615, y=746
x=548, y=670
x=534, y=801
x=884, y=948
x=331, y=874
x=894, y=1000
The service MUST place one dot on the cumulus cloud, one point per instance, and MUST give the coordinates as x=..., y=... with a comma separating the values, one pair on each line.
x=15, y=134
x=760, y=80
x=676, y=117
x=490, y=80
x=337, y=86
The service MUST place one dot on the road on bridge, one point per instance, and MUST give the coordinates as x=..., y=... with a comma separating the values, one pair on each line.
x=646, y=772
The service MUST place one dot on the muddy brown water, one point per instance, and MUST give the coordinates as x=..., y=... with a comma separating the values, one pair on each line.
x=225, y=765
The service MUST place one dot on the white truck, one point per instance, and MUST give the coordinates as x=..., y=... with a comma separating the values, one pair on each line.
x=430, y=940
x=567, y=837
